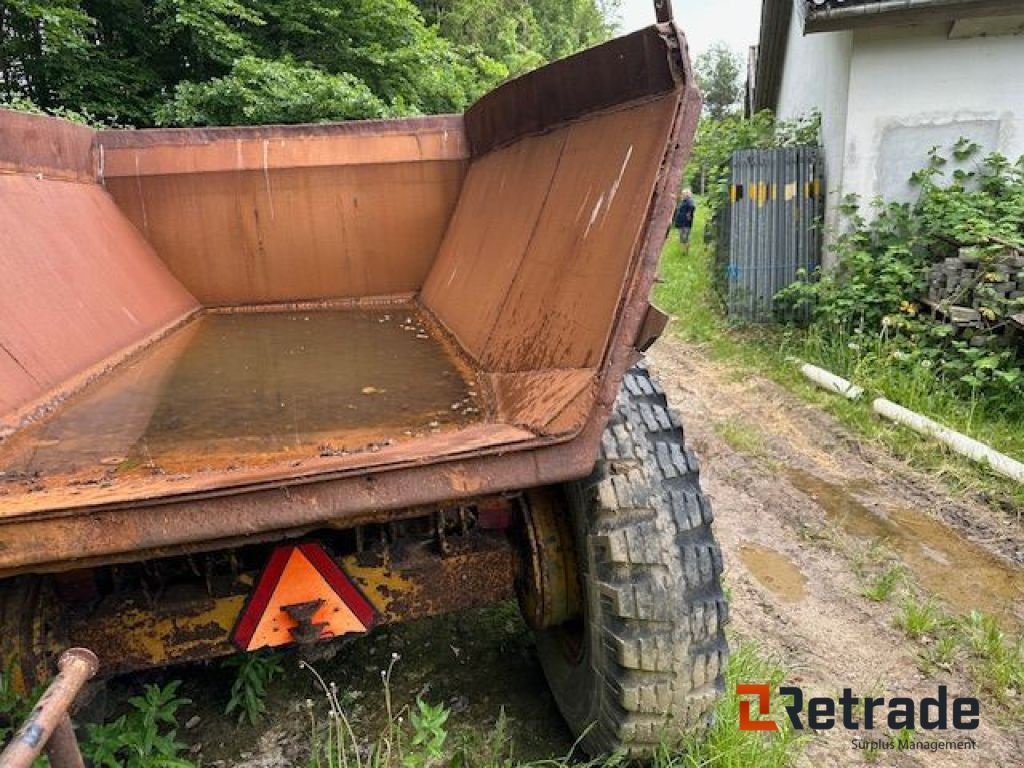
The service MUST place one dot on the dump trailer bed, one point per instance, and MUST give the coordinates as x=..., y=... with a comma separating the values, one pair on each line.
x=219, y=334
x=274, y=385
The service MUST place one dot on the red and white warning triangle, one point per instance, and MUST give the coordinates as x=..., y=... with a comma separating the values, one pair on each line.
x=302, y=595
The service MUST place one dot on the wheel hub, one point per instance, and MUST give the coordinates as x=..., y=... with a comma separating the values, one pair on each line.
x=547, y=580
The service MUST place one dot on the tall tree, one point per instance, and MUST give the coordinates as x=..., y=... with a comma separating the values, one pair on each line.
x=718, y=73
x=186, y=62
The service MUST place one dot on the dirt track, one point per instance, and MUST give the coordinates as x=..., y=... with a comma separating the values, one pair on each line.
x=800, y=506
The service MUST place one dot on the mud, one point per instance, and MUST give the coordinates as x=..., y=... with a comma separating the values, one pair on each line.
x=775, y=572
x=812, y=499
x=963, y=574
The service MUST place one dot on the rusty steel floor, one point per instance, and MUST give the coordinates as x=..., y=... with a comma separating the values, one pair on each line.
x=248, y=388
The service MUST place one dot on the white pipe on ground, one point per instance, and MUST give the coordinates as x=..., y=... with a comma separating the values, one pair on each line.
x=831, y=382
x=966, y=446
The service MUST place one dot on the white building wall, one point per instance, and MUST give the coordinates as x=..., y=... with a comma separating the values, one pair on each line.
x=816, y=77
x=888, y=95
x=914, y=88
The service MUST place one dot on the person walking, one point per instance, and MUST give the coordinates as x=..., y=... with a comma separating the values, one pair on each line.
x=684, y=218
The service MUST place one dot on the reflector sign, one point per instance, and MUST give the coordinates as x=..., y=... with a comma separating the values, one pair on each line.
x=302, y=596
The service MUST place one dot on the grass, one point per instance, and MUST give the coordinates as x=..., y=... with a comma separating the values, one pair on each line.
x=882, y=586
x=919, y=619
x=253, y=674
x=724, y=745
x=994, y=659
x=740, y=436
x=419, y=736
x=687, y=291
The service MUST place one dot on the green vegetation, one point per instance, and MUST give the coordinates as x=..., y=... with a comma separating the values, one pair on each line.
x=724, y=745
x=974, y=642
x=866, y=316
x=235, y=62
x=419, y=737
x=422, y=735
x=740, y=436
x=143, y=738
x=718, y=74
x=883, y=585
x=253, y=674
x=15, y=707
x=688, y=291
x=919, y=619
x=994, y=659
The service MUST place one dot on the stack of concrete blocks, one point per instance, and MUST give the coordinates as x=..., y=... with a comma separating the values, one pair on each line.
x=961, y=285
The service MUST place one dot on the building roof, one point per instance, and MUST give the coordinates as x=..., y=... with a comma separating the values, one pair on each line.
x=830, y=15
x=834, y=15
x=771, y=53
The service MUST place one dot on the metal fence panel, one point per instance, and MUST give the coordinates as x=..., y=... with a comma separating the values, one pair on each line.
x=770, y=226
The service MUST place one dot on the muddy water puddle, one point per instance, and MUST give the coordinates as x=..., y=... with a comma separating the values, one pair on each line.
x=252, y=387
x=963, y=574
x=774, y=571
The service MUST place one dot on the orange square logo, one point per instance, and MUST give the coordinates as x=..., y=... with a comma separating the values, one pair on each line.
x=763, y=693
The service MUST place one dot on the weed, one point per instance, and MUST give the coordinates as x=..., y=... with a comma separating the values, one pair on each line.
x=904, y=737
x=491, y=748
x=998, y=660
x=724, y=745
x=995, y=661
x=982, y=633
x=942, y=654
x=883, y=272
x=15, y=707
x=253, y=673
x=866, y=556
x=429, y=734
x=882, y=586
x=416, y=744
x=919, y=619
x=143, y=738
x=418, y=736
x=740, y=436
x=688, y=292
x=872, y=754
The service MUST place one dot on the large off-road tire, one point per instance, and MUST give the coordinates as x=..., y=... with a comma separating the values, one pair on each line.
x=643, y=665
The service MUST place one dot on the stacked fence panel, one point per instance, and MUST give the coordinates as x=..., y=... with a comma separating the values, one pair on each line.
x=770, y=227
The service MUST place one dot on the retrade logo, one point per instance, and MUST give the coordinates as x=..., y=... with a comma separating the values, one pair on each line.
x=821, y=713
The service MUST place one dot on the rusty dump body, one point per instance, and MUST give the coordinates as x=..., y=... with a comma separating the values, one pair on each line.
x=211, y=337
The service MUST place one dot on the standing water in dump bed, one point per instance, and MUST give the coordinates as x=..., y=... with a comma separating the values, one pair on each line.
x=247, y=388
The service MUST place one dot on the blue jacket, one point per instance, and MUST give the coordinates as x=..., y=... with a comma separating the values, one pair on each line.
x=684, y=213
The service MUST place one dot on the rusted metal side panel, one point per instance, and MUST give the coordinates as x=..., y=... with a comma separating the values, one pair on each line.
x=272, y=511
x=295, y=234
x=79, y=285
x=208, y=150
x=141, y=486
x=34, y=144
x=620, y=71
x=535, y=284
x=559, y=310
x=578, y=147
x=278, y=214
x=501, y=200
